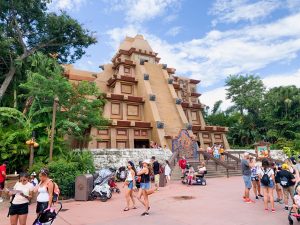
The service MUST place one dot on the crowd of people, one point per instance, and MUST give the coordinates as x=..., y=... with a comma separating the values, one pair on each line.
x=217, y=151
x=139, y=180
x=269, y=179
x=22, y=193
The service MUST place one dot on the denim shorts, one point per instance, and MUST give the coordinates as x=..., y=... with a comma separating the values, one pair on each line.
x=247, y=181
x=130, y=185
x=271, y=184
x=145, y=186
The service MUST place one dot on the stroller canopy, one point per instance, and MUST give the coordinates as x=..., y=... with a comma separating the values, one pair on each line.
x=103, y=175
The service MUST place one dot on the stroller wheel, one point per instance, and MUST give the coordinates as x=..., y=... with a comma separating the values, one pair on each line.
x=118, y=191
x=103, y=198
x=291, y=222
x=109, y=195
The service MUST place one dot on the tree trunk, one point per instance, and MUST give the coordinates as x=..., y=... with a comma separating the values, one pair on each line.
x=8, y=78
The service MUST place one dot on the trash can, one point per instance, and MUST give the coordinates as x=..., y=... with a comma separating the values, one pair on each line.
x=83, y=187
x=162, y=178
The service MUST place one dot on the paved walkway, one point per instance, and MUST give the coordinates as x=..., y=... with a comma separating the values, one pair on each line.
x=218, y=203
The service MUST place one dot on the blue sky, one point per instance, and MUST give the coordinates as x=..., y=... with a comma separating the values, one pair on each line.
x=202, y=39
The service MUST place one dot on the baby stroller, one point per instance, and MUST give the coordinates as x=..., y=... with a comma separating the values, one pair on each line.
x=101, y=188
x=121, y=174
x=48, y=216
x=294, y=214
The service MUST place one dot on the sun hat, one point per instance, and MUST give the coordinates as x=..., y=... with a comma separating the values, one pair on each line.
x=285, y=166
x=147, y=161
x=33, y=174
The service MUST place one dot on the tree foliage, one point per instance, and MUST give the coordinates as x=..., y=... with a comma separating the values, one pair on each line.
x=27, y=27
x=259, y=114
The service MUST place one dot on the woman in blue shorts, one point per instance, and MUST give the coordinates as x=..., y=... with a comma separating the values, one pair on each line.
x=267, y=179
x=145, y=186
x=130, y=182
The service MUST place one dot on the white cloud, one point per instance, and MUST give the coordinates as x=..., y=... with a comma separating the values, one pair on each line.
x=219, y=54
x=170, y=18
x=116, y=35
x=66, y=4
x=233, y=11
x=137, y=11
x=282, y=79
x=173, y=31
x=209, y=98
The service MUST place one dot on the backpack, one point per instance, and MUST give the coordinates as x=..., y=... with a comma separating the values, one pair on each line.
x=284, y=182
x=265, y=180
x=56, y=192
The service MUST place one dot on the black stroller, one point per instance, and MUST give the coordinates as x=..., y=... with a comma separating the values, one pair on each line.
x=294, y=214
x=48, y=216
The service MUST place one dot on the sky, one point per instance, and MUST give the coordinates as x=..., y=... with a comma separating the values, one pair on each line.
x=206, y=40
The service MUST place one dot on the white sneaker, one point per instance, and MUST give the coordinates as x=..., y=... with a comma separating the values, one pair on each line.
x=1, y=200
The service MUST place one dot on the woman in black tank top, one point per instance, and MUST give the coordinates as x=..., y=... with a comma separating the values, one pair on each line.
x=144, y=186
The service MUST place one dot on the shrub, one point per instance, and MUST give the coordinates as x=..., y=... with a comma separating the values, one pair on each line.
x=65, y=170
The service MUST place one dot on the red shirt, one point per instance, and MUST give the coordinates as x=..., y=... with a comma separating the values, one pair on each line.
x=2, y=169
x=182, y=163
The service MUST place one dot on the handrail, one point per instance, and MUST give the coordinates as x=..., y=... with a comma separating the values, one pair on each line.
x=217, y=161
x=232, y=157
x=174, y=159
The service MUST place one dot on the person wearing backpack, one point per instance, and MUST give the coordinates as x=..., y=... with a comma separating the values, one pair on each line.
x=266, y=176
x=45, y=191
x=287, y=181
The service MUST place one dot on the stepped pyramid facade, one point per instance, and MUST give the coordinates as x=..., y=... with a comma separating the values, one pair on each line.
x=146, y=101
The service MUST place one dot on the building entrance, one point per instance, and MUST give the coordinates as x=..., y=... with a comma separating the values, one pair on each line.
x=138, y=143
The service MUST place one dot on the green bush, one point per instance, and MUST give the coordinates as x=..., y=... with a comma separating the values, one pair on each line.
x=65, y=170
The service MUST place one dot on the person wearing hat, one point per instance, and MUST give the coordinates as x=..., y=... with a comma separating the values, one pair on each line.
x=33, y=179
x=145, y=186
x=287, y=181
x=2, y=178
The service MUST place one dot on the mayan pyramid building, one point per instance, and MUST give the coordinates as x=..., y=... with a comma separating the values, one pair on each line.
x=146, y=101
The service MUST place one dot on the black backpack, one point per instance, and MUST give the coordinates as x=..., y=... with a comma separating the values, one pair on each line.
x=265, y=180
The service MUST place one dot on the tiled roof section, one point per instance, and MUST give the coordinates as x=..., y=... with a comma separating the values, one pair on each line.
x=194, y=94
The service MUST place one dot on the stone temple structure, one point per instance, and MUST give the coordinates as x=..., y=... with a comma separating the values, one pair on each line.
x=146, y=101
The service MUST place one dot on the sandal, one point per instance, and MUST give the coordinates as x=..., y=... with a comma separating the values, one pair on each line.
x=145, y=214
x=126, y=209
x=134, y=207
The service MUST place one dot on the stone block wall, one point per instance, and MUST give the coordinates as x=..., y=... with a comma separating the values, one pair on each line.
x=275, y=154
x=115, y=158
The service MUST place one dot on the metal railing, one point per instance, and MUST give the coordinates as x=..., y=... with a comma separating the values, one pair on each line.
x=174, y=159
x=217, y=162
x=234, y=158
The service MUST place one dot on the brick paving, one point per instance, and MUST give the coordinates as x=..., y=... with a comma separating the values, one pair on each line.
x=217, y=203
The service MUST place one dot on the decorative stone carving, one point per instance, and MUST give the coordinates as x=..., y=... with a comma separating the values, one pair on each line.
x=142, y=61
x=160, y=125
x=152, y=97
x=146, y=76
x=170, y=81
x=189, y=126
x=164, y=66
x=178, y=101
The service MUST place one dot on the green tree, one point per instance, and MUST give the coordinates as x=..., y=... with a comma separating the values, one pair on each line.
x=27, y=27
x=246, y=92
x=80, y=105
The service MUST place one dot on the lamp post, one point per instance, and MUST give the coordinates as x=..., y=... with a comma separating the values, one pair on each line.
x=32, y=144
x=55, y=103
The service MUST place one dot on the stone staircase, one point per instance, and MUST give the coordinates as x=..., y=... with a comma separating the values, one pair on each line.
x=213, y=170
